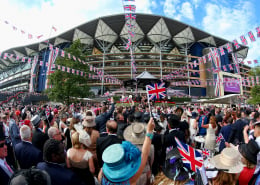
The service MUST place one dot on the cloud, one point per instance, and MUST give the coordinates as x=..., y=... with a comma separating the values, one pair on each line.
x=187, y=11
x=38, y=18
x=196, y=3
x=178, y=10
x=231, y=22
x=170, y=7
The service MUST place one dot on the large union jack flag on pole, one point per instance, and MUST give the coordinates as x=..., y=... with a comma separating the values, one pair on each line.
x=156, y=91
x=191, y=158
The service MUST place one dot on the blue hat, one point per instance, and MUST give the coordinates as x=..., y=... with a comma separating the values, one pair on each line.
x=119, y=159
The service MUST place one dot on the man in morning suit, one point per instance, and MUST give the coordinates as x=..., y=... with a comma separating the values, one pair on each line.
x=104, y=142
x=26, y=154
x=54, y=157
x=5, y=170
x=38, y=138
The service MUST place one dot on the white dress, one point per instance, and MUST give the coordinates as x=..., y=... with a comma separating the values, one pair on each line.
x=193, y=131
x=210, y=139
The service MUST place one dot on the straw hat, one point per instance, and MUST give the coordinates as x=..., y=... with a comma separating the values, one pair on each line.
x=228, y=159
x=135, y=133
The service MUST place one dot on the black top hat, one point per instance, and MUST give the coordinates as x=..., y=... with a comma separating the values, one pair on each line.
x=249, y=151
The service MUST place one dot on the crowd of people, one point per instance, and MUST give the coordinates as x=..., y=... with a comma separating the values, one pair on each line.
x=139, y=144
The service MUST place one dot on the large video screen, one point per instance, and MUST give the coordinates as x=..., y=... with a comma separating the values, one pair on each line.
x=231, y=85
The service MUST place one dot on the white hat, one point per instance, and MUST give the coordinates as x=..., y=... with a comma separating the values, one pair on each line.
x=84, y=138
x=229, y=159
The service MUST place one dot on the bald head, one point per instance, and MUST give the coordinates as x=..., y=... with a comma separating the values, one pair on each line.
x=111, y=127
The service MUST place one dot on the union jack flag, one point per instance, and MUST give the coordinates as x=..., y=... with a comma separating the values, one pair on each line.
x=62, y=53
x=156, y=91
x=131, y=33
x=235, y=60
x=204, y=59
x=258, y=31
x=131, y=8
x=130, y=25
x=191, y=157
x=251, y=36
x=130, y=16
x=219, y=138
x=205, y=152
x=236, y=44
x=222, y=52
x=243, y=39
x=230, y=66
x=209, y=56
x=229, y=48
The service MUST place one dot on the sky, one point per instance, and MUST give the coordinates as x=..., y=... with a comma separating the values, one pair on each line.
x=228, y=19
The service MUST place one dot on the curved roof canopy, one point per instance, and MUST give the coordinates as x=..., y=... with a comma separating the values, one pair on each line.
x=109, y=34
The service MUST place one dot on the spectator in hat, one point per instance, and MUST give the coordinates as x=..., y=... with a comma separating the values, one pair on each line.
x=135, y=133
x=79, y=159
x=6, y=170
x=39, y=137
x=54, y=156
x=173, y=170
x=27, y=154
x=89, y=126
x=62, y=122
x=124, y=163
x=229, y=166
x=249, y=153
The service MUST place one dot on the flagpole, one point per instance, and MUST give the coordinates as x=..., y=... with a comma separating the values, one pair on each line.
x=148, y=102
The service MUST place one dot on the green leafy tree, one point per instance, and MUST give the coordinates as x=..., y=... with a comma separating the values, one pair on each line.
x=255, y=90
x=67, y=86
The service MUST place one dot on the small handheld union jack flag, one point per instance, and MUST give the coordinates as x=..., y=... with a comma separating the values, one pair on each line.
x=205, y=152
x=191, y=157
x=219, y=138
x=156, y=91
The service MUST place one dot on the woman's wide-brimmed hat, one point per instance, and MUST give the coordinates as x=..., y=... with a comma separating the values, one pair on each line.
x=89, y=121
x=135, y=133
x=228, y=160
x=249, y=151
x=121, y=161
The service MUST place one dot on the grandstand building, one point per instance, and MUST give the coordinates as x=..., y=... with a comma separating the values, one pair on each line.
x=161, y=46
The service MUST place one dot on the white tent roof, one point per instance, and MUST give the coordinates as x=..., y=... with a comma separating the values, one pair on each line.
x=145, y=75
x=227, y=99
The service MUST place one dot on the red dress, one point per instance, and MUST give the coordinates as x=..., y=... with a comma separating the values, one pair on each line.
x=245, y=175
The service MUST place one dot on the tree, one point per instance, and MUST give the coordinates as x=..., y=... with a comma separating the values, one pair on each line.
x=65, y=85
x=255, y=90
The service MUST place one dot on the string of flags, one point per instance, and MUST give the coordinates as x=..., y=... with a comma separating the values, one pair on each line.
x=23, y=32
x=214, y=57
x=246, y=81
x=174, y=75
x=130, y=19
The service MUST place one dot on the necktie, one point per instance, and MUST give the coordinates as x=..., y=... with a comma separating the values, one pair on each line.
x=8, y=167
